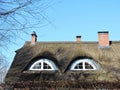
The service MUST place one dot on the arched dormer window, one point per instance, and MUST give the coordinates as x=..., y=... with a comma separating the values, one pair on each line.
x=84, y=64
x=43, y=64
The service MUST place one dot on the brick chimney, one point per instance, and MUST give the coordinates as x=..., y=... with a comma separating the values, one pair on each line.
x=33, y=38
x=103, y=37
x=78, y=38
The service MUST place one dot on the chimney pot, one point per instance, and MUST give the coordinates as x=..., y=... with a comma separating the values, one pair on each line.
x=33, y=38
x=103, y=37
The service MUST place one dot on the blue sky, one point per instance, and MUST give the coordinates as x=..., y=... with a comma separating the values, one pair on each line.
x=77, y=17
x=82, y=17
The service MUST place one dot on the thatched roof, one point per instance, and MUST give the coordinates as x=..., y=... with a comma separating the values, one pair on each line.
x=63, y=54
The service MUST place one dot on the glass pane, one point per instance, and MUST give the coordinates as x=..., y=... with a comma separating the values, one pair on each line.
x=88, y=66
x=37, y=66
x=46, y=66
x=79, y=66
x=76, y=67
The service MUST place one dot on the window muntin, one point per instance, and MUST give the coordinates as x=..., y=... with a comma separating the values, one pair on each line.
x=37, y=66
x=46, y=66
x=79, y=66
x=84, y=64
x=43, y=64
x=88, y=66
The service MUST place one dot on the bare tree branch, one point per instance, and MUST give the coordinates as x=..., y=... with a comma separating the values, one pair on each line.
x=20, y=16
x=15, y=9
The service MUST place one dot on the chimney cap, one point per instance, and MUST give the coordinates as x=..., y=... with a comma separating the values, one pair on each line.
x=103, y=32
x=34, y=33
x=78, y=36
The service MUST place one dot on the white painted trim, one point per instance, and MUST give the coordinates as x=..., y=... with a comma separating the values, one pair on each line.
x=89, y=61
x=49, y=62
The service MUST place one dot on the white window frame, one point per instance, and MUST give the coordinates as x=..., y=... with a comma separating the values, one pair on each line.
x=47, y=61
x=89, y=61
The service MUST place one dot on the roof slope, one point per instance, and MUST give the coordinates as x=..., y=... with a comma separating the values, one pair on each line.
x=63, y=54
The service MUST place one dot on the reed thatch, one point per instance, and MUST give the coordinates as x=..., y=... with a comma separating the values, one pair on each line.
x=63, y=54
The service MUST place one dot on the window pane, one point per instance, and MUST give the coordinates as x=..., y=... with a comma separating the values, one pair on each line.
x=37, y=66
x=46, y=66
x=79, y=66
x=88, y=66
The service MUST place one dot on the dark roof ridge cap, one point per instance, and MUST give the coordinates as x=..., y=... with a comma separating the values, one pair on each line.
x=68, y=41
x=28, y=43
x=115, y=41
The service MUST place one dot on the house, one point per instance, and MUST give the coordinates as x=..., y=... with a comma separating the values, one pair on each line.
x=66, y=65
